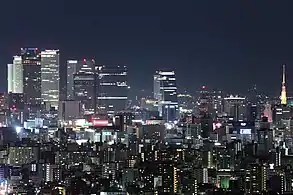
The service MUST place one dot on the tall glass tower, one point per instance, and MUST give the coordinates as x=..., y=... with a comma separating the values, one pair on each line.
x=165, y=90
x=50, y=78
x=71, y=70
x=15, y=76
x=31, y=61
x=84, y=85
x=112, y=88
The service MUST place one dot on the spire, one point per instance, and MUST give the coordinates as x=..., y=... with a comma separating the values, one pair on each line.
x=283, y=83
x=283, y=92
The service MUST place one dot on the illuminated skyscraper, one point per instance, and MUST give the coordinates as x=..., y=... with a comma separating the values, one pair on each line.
x=31, y=61
x=283, y=96
x=157, y=83
x=112, y=88
x=50, y=78
x=10, y=78
x=235, y=107
x=15, y=76
x=167, y=95
x=71, y=70
x=204, y=101
x=84, y=85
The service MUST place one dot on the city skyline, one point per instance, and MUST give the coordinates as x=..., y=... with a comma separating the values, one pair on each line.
x=142, y=97
x=67, y=73
x=202, y=41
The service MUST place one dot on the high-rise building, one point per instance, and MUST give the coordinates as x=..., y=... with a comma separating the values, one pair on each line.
x=167, y=95
x=157, y=83
x=112, y=88
x=71, y=70
x=206, y=102
x=50, y=78
x=15, y=76
x=283, y=96
x=84, y=84
x=15, y=108
x=31, y=61
x=235, y=107
x=10, y=78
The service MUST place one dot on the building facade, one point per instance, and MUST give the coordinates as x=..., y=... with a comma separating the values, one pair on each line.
x=50, y=78
x=31, y=61
x=235, y=107
x=168, y=102
x=71, y=70
x=84, y=84
x=112, y=88
x=15, y=76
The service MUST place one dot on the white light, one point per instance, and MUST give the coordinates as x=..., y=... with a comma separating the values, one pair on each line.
x=169, y=125
x=18, y=129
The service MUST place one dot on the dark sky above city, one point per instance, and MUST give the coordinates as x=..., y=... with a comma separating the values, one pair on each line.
x=226, y=44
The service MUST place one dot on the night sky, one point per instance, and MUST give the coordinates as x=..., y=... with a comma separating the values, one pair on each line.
x=227, y=44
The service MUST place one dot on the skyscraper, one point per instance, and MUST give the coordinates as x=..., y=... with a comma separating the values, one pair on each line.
x=15, y=76
x=283, y=96
x=112, y=88
x=31, y=61
x=167, y=95
x=205, y=102
x=84, y=84
x=235, y=107
x=50, y=78
x=157, y=85
x=10, y=78
x=71, y=70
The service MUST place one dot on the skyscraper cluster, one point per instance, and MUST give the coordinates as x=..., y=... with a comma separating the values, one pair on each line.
x=97, y=141
x=34, y=81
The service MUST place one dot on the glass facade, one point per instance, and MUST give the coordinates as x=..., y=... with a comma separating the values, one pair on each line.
x=31, y=61
x=112, y=88
x=71, y=70
x=168, y=102
x=84, y=84
x=50, y=78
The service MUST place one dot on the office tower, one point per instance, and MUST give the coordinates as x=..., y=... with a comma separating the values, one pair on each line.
x=283, y=96
x=167, y=95
x=10, y=77
x=205, y=102
x=15, y=76
x=157, y=83
x=235, y=107
x=71, y=69
x=112, y=88
x=84, y=84
x=253, y=105
x=31, y=61
x=50, y=78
